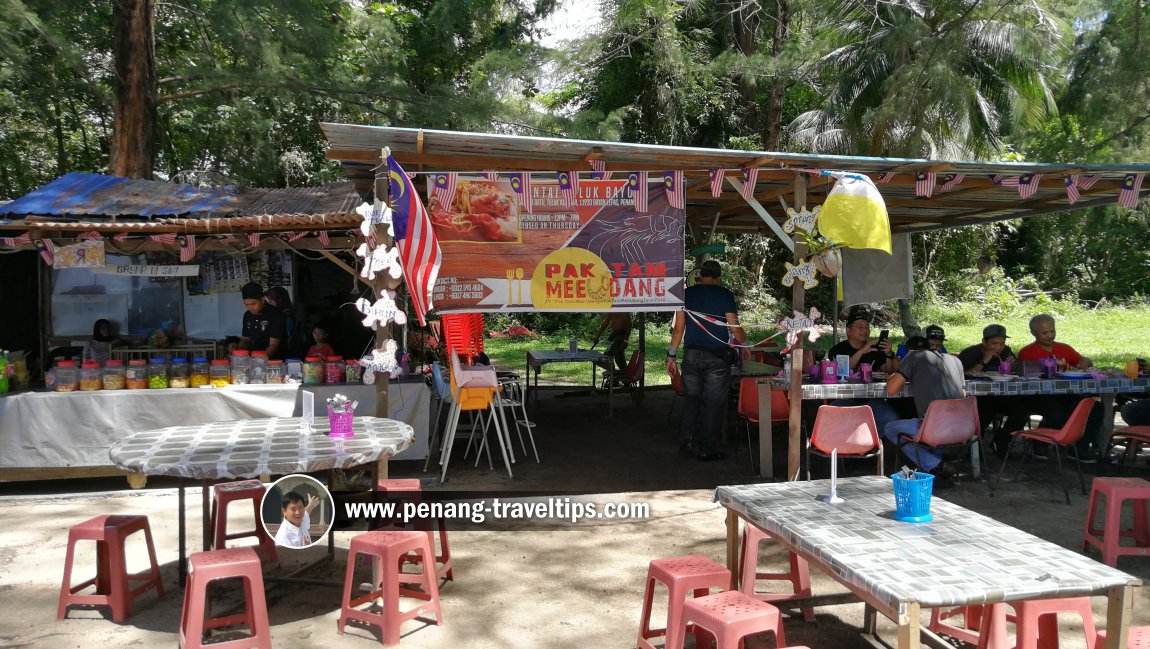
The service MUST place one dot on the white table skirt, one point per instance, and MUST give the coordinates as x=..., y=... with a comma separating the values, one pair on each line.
x=76, y=429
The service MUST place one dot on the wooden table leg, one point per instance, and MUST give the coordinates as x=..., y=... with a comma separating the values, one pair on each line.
x=733, y=547
x=870, y=620
x=207, y=514
x=908, y=633
x=1119, y=604
x=183, y=529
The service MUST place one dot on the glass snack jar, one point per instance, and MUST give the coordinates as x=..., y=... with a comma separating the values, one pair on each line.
x=258, y=368
x=180, y=373
x=333, y=369
x=114, y=375
x=352, y=372
x=137, y=374
x=200, y=372
x=275, y=372
x=158, y=373
x=90, y=376
x=241, y=361
x=220, y=374
x=293, y=370
x=312, y=370
x=66, y=377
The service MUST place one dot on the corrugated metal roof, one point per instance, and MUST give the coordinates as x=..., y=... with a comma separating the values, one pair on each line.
x=99, y=197
x=976, y=200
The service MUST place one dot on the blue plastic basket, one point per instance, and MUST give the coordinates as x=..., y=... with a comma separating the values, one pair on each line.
x=912, y=498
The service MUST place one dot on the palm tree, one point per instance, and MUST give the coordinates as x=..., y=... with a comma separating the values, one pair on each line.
x=941, y=79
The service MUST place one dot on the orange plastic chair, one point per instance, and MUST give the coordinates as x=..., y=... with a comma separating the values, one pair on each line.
x=1058, y=438
x=949, y=423
x=850, y=430
x=632, y=376
x=748, y=410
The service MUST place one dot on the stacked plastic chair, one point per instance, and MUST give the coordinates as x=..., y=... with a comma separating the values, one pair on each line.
x=472, y=389
x=463, y=333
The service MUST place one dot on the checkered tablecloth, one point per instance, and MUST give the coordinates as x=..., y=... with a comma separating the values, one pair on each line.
x=252, y=447
x=962, y=557
x=1018, y=387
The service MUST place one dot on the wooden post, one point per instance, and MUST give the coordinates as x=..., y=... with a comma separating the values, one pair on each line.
x=795, y=393
x=382, y=282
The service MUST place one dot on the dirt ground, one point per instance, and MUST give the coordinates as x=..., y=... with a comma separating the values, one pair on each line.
x=578, y=587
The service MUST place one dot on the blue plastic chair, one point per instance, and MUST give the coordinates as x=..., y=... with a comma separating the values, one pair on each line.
x=442, y=393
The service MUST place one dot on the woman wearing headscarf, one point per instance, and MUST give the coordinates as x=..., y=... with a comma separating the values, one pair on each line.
x=99, y=347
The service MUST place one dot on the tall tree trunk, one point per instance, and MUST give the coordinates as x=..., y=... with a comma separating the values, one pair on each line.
x=773, y=111
x=745, y=21
x=134, y=124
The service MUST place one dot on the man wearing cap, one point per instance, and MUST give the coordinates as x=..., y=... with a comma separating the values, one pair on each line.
x=933, y=375
x=707, y=359
x=265, y=328
x=861, y=347
x=987, y=357
x=934, y=335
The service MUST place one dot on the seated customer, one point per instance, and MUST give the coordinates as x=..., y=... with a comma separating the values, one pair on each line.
x=986, y=357
x=933, y=335
x=932, y=375
x=1044, y=346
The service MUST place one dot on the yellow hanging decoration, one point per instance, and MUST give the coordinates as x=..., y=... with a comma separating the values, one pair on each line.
x=854, y=215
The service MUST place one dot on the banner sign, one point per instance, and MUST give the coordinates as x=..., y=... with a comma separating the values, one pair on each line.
x=599, y=255
x=87, y=254
x=188, y=270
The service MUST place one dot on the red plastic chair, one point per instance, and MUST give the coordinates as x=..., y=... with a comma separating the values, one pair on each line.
x=1132, y=438
x=748, y=410
x=680, y=393
x=949, y=423
x=632, y=376
x=850, y=430
x=1058, y=438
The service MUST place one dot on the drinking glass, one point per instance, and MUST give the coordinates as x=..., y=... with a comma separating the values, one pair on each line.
x=1132, y=369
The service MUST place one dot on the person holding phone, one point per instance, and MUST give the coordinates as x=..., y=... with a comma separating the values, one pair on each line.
x=861, y=347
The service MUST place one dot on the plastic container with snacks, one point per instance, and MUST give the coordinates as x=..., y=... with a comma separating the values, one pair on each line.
x=137, y=374
x=312, y=370
x=114, y=375
x=67, y=379
x=90, y=376
x=200, y=372
x=220, y=373
x=275, y=372
x=333, y=369
x=241, y=361
x=158, y=377
x=352, y=372
x=258, y=368
x=180, y=373
x=293, y=370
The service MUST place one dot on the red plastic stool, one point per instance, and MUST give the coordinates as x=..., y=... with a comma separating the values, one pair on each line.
x=1137, y=638
x=692, y=574
x=1108, y=538
x=206, y=567
x=112, y=580
x=387, y=549
x=442, y=550
x=1036, y=623
x=799, y=574
x=732, y=616
x=229, y=492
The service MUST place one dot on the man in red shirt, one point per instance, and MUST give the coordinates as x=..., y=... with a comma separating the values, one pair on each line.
x=1055, y=410
x=1044, y=345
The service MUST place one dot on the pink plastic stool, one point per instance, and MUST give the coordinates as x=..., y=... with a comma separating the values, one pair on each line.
x=799, y=574
x=387, y=549
x=1137, y=638
x=1036, y=622
x=732, y=616
x=442, y=549
x=229, y=492
x=233, y=563
x=112, y=580
x=692, y=574
x=1108, y=538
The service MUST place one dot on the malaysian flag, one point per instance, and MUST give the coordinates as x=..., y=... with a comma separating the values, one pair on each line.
x=491, y=174
x=1074, y=183
x=47, y=250
x=419, y=251
x=950, y=181
x=885, y=178
x=569, y=185
x=16, y=242
x=1004, y=181
x=673, y=181
x=91, y=235
x=750, y=179
x=254, y=239
x=637, y=182
x=717, y=181
x=228, y=238
x=187, y=247
x=165, y=239
x=924, y=183
x=521, y=184
x=294, y=236
x=600, y=170
x=324, y=238
x=444, y=189
x=1131, y=185
x=120, y=237
x=1028, y=184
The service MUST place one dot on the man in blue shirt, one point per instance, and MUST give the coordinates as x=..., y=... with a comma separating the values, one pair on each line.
x=707, y=359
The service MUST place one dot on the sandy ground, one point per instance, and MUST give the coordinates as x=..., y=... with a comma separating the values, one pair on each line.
x=570, y=588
